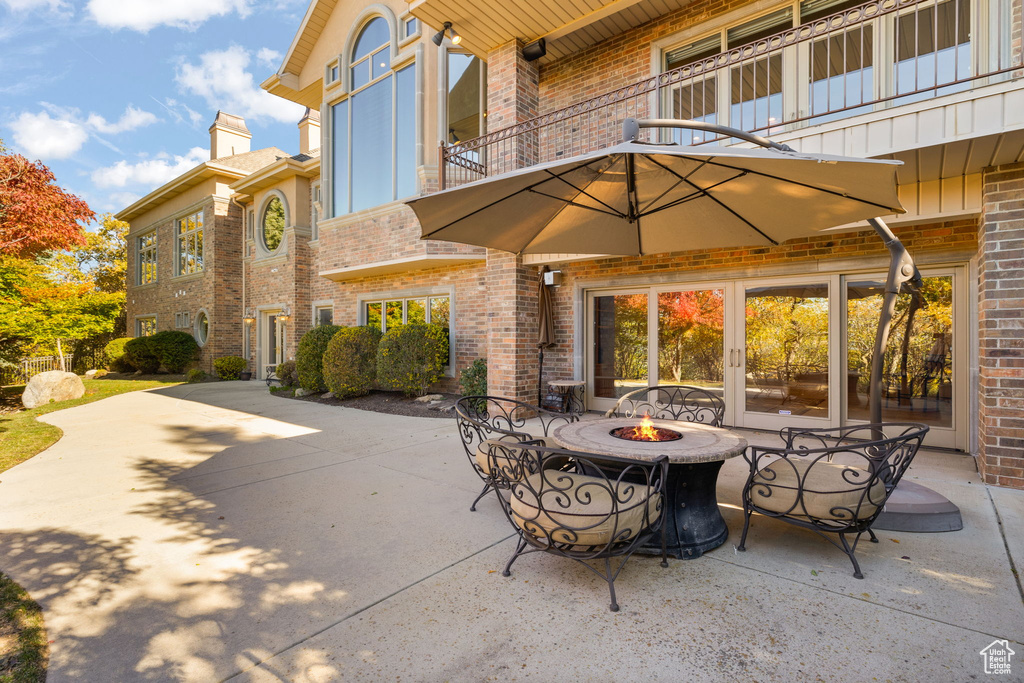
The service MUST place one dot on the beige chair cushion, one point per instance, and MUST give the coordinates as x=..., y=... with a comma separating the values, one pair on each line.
x=826, y=487
x=581, y=514
x=484, y=450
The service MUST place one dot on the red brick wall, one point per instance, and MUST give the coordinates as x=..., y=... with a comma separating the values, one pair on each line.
x=1000, y=325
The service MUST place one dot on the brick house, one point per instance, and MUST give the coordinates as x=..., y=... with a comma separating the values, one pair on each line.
x=779, y=331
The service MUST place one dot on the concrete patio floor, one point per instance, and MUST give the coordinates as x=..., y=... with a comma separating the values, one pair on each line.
x=214, y=532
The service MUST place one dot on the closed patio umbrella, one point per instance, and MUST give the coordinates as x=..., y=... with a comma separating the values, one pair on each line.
x=545, y=331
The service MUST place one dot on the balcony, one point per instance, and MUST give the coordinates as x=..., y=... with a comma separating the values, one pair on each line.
x=857, y=67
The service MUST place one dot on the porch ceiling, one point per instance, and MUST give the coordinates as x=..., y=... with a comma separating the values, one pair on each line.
x=567, y=25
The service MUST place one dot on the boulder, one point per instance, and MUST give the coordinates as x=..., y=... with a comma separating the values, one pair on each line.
x=300, y=392
x=430, y=397
x=90, y=373
x=329, y=394
x=52, y=387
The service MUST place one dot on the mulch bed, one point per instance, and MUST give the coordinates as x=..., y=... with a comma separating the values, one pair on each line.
x=390, y=402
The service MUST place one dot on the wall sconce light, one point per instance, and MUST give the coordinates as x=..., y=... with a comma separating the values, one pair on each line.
x=249, y=318
x=439, y=36
x=535, y=50
x=284, y=316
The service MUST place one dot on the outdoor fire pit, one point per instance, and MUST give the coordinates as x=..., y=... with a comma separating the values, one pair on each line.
x=645, y=431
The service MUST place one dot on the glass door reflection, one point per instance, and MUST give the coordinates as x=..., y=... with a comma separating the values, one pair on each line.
x=620, y=344
x=691, y=338
x=917, y=370
x=787, y=349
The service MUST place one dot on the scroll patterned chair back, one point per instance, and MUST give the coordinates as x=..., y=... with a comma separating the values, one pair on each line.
x=485, y=420
x=832, y=481
x=577, y=511
x=672, y=402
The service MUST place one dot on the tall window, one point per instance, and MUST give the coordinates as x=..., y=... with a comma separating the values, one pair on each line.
x=147, y=258
x=383, y=315
x=466, y=97
x=374, y=129
x=190, y=244
x=273, y=224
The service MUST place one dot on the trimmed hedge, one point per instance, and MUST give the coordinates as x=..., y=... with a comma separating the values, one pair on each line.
x=473, y=379
x=196, y=375
x=174, y=349
x=287, y=373
x=412, y=357
x=350, y=362
x=229, y=367
x=140, y=354
x=309, y=357
x=114, y=355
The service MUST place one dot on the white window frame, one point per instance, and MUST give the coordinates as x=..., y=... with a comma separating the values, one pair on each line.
x=181, y=237
x=146, y=254
x=442, y=73
x=141, y=325
x=321, y=306
x=195, y=327
x=259, y=236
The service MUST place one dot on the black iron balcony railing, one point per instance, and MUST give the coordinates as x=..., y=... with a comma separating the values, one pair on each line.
x=881, y=54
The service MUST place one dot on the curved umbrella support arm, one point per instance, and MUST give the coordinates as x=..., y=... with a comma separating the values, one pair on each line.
x=901, y=269
x=631, y=131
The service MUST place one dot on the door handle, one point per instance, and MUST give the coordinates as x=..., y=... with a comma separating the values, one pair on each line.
x=731, y=355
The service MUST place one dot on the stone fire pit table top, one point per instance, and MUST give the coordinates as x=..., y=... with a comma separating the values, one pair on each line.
x=700, y=442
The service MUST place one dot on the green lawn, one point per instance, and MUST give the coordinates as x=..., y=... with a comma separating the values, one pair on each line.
x=23, y=645
x=22, y=435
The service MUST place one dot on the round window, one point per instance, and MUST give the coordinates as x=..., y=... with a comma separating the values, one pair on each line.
x=202, y=328
x=273, y=224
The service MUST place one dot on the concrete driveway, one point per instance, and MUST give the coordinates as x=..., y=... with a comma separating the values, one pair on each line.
x=214, y=532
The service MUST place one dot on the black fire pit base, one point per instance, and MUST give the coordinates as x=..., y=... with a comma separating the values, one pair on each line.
x=694, y=523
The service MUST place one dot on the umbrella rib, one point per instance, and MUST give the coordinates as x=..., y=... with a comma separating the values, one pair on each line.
x=715, y=199
x=693, y=195
x=498, y=201
x=654, y=201
x=807, y=185
x=584, y=192
x=569, y=202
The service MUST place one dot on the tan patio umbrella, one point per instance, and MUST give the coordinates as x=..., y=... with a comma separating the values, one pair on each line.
x=545, y=331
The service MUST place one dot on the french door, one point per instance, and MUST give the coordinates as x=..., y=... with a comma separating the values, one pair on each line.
x=788, y=351
x=270, y=343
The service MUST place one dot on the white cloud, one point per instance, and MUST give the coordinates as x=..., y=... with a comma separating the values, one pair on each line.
x=58, y=132
x=42, y=137
x=131, y=119
x=143, y=15
x=221, y=79
x=149, y=172
x=269, y=58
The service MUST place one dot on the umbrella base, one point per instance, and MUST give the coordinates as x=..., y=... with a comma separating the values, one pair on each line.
x=918, y=509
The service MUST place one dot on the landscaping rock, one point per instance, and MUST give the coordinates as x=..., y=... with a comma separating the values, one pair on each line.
x=430, y=397
x=55, y=386
x=300, y=392
x=90, y=373
x=329, y=394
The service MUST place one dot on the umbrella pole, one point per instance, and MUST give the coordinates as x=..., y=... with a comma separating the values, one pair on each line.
x=901, y=269
x=540, y=375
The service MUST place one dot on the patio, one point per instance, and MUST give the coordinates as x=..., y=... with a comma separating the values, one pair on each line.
x=233, y=535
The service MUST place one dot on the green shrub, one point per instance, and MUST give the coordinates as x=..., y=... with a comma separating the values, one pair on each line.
x=140, y=354
x=121, y=364
x=350, y=361
x=309, y=357
x=196, y=375
x=287, y=373
x=114, y=351
x=174, y=349
x=229, y=367
x=473, y=379
x=411, y=357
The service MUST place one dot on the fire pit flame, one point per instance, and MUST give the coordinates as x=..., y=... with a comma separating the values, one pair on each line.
x=646, y=431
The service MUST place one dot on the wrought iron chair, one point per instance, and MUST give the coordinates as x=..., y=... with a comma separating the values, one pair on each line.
x=577, y=511
x=485, y=419
x=831, y=481
x=672, y=402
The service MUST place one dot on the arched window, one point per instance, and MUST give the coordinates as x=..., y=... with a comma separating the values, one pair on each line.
x=202, y=328
x=374, y=129
x=273, y=224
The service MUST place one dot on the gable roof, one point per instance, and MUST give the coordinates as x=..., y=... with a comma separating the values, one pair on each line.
x=230, y=168
x=285, y=83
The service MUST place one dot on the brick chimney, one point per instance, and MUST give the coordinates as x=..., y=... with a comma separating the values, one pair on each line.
x=228, y=136
x=309, y=131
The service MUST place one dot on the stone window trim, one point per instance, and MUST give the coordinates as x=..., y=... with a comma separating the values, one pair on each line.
x=261, y=248
x=197, y=322
x=404, y=296
x=402, y=55
x=315, y=211
x=144, y=321
x=146, y=258
x=317, y=306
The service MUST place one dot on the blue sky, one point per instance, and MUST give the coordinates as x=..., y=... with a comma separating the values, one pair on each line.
x=116, y=96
